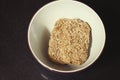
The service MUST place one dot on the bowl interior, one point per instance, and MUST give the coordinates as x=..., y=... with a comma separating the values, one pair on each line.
x=43, y=22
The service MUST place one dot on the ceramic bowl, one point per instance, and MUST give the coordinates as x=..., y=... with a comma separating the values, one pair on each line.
x=43, y=22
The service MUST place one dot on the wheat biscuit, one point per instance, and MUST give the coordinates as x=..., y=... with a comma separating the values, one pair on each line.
x=69, y=41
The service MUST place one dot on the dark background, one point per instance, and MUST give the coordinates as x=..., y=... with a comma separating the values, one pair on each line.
x=17, y=62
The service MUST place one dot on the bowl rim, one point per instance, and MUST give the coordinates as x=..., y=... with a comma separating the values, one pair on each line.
x=46, y=66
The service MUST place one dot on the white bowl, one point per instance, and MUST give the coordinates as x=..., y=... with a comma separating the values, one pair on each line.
x=43, y=22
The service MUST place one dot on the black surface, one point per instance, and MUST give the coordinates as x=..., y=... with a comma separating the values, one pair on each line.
x=17, y=62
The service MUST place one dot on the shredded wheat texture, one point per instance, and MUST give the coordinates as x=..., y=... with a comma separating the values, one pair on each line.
x=69, y=41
